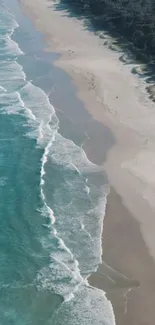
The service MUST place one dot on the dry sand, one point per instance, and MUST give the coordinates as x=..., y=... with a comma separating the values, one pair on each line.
x=101, y=78
x=118, y=99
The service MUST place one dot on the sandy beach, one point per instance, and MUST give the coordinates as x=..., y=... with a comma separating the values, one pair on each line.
x=119, y=100
x=124, y=248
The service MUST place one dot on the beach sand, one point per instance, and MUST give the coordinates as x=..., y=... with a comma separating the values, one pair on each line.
x=118, y=99
x=124, y=249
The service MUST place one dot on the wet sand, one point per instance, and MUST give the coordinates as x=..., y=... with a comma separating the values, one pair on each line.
x=124, y=249
x=118, y=101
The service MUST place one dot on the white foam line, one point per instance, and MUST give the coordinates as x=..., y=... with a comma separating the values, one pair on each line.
x=11, y=43
x=87, y=187
x=48, y=211
x=28, y=111
x=62, y=245
x=44, y=158
x=3, y=89
x=83, y=228
x=61, y=242
x=51, y=214
x=75, y=168
x=76, y=271
x=42, y=173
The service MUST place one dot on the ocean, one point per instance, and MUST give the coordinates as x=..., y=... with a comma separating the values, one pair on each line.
x=52, y=198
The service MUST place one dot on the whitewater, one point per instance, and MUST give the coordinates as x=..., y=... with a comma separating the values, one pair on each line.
x=71, y=208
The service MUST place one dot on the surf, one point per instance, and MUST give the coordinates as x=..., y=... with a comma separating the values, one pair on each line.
x=73, y=198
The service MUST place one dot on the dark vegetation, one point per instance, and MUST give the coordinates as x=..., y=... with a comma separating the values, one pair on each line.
x=128, y=20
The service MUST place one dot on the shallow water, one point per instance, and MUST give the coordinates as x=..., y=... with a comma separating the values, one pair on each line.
x=52, y=197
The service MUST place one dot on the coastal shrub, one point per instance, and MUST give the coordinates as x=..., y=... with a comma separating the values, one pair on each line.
x=132, y=19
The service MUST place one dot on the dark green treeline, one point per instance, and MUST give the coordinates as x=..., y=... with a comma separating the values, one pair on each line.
x=134, y=20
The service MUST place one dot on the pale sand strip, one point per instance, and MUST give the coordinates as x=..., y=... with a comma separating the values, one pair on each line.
x=100, y=78
x=113, y=96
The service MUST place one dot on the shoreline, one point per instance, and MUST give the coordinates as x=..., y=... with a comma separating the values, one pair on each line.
x=130, y=117
x=128, y=144
x=130, y=257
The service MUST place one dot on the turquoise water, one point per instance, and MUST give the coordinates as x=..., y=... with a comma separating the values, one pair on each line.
x=52, y=198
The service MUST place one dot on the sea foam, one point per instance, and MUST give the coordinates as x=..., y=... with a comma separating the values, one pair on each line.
x=75, y=228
